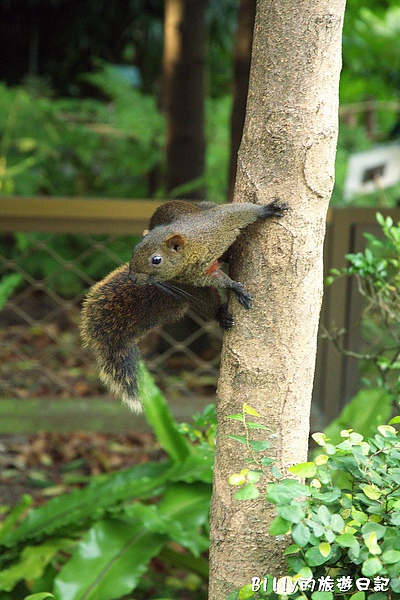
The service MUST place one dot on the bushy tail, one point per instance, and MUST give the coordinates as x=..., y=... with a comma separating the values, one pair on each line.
x=118, y=365
x=119, y=372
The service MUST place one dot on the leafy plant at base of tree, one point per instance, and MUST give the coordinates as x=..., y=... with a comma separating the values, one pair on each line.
x=345, y=530
x=377, y=273
x=96, y=542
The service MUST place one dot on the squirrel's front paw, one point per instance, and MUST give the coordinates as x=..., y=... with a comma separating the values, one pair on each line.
x=243, y=297
x=225, y=319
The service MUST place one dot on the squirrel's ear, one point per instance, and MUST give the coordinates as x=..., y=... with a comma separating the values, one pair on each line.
x=176, y=242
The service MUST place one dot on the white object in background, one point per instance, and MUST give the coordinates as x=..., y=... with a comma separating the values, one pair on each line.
x=372, y=170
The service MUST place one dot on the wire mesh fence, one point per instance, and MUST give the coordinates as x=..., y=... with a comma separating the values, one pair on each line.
x=40, y=350
x=44, y=277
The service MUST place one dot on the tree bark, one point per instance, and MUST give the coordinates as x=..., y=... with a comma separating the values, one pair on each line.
x=287, y=151
x=241, y=72
x=184, y=89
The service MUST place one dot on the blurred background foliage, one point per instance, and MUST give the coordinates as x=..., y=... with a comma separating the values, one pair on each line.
x=81, y=95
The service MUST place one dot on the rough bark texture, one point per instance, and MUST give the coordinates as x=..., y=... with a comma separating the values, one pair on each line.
x=241, y=71
x=287, y=151
x=184, y=88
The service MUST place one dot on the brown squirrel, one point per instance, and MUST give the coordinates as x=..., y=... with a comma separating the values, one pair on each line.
x=174, y=267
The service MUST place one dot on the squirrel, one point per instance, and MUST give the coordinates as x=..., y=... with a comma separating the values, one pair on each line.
x=174, y=267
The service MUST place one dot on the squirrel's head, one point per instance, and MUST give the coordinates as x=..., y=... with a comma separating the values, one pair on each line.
x=153, y=260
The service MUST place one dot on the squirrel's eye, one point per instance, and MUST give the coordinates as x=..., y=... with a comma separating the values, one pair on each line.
x=156, y=260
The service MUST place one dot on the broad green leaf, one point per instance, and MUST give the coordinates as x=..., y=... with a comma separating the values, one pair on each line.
x=324, y=548
x=371, y=542
x=322, y=596
x=286, y=490
x=245, y=592
x=347, y=540
x=159, y=416
x=109, y=561
x=306, y=469
x=314, y=557
x=39, y=596
x=376, y=528
x=372, y=491
x=358, y=596
x=180, y=514
x=292, y=549
x=300, y=534
x=337, y=523
x=188, y=505
x=252, y=425
x=31, y=563
x=8, y=524
x=324, y=515
x=259, y=445
x=248, y=492
x=238, y=438
x=279, y=526
x=291, y=512
x=80, y=506
x=236, y=417
x=371, y=567
x=391, y=556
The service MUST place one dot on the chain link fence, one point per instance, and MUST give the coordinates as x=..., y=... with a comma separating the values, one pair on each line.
x=48, y=275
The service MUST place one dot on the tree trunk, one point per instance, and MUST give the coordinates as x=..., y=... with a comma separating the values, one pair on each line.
x=241, y=71
x=287, y=151
x=184, y=88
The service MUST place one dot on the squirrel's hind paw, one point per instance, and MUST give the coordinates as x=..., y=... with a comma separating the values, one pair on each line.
x=276, y=208
x=224, y=318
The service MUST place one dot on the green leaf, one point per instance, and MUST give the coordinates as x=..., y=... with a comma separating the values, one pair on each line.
x=248, y=492
x=286, y=490
x=306, y=469
x=300, y=534
x=8, y=524
x=8, y=284
x=246, y=592
x=279, y=526
x=337, y=523
x=291, y=512
x=372, y=491
x=31, y=563
x=358, y=596
x=324, y=548
x=249, y=410
x=314, y=557
x=376, y=528
x=292, y=549
x=371, y=567
x=391, y=556
x=160, y=418
x=109, y=561
x=71, y=510
x=347, y=540
x=238, y=438
x=259, y=446
x=324, y=515
x=322, y=596
x=39, y=596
